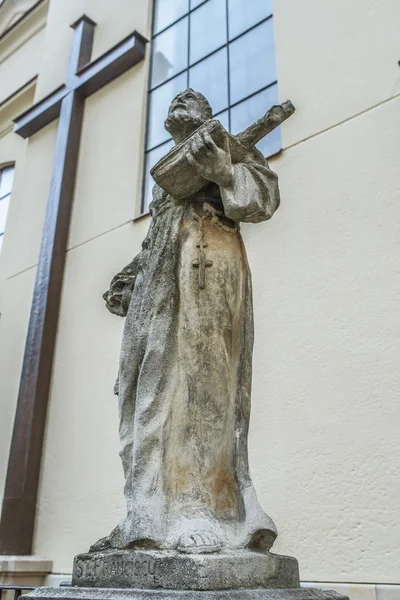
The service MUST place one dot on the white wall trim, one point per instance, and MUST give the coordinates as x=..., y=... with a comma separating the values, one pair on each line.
x=359, y=591
x=13, y=105
x=23, y=31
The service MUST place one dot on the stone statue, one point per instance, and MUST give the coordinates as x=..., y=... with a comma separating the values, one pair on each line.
x=185, y=370
x=194, y=529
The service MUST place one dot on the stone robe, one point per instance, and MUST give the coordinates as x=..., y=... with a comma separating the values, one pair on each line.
x=186, y=368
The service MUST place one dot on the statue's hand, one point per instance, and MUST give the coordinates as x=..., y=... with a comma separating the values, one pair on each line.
x=119, y=295
x=210, y=161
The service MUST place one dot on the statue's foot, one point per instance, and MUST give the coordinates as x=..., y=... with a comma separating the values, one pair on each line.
x=116, y=539
x=101, y=545
x=199, y=542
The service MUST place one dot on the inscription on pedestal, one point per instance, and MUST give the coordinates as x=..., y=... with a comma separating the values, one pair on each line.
x=145, y=569
x=170, y=570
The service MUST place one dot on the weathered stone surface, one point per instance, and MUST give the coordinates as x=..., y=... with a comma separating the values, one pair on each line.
x=171, y=570
x=186, y=358
x=75, y=593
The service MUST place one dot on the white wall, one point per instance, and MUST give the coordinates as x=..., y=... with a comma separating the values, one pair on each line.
x=326, y=381
x=326, y=282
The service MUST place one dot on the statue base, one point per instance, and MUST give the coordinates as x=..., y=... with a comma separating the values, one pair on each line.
x=150, y=569
x=79, y=593
x=170, y=575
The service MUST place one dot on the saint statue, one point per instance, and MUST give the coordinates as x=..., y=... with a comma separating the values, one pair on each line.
x=185, y=371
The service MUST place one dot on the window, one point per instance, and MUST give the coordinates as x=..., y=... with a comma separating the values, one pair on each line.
x=222, y=48
x=6, y=181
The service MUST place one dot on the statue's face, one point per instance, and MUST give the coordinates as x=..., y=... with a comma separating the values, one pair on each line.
x=186, y=113
x=188, y=106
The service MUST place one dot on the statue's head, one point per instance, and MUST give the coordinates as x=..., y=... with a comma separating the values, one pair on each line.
x=188, y=110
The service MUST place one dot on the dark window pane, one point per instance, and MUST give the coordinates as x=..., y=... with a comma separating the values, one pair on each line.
x=160, y=100
x=6, y=181
x=151, y=159
x=245, y=113
x=210, y=77
x=223, y=118
x=243, y=14
x=170, y=52
x=207, y=29
x=3, y=212
x=252, y=61
x=168, y=11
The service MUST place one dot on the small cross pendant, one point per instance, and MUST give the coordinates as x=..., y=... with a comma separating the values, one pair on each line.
x=201, y=263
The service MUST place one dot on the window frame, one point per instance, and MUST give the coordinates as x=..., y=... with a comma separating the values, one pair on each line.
x=6, y=167
x=150, y=89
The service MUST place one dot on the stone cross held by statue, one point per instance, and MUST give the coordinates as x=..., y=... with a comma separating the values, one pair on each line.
x=201, y=263
x=66, y=103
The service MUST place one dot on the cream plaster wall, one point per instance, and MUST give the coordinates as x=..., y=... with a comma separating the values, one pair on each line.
x=20, y=49
x=15, y=298
x=12, y=11
x=28, y=207
x=335, y=59
x=15, y=292
x=108, y=186
x=115, y=20
x=326, y=283
x=12, y=150
x=20, y=67
x=325, y=427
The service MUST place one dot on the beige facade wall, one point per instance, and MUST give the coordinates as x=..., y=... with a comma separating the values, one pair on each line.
x=19, y=51
x=324, y=431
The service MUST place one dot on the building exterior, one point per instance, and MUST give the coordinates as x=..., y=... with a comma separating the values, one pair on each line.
x=324, y=434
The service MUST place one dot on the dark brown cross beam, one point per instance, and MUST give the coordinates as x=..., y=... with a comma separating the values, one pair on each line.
x=66, y=103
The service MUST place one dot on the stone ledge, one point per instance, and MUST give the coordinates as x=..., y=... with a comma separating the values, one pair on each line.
x=355, y=591
x=359, y=591
x=13, y=565
x=387, y=592
x=75, y=593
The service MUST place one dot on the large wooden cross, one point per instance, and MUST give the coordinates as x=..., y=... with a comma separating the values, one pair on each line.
x=66, y=103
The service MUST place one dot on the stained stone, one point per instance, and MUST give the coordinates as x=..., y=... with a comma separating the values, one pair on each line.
x=184, y=383
x=172, y=570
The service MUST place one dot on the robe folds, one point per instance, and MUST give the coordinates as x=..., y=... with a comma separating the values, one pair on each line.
x=186, y=366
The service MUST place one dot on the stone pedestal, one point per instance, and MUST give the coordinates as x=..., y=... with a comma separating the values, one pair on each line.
x=152, y=569
x=169, y=575
x=75, y=593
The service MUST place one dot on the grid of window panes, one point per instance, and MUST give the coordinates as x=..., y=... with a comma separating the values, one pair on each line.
x=222, y=48
x=6, y=181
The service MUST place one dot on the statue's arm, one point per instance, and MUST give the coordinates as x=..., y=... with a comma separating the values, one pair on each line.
x=119, y=294
x=249, y=189
x=253, y=195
